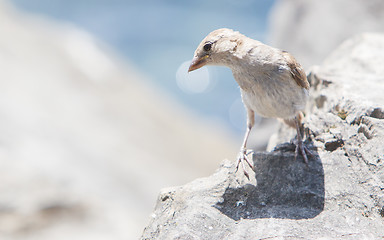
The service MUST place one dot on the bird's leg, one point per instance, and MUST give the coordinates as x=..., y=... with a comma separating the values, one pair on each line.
x=243, y=155
x=300, y=148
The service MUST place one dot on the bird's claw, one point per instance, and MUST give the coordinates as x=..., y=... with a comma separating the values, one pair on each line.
x=243, y=156
x=303, y=150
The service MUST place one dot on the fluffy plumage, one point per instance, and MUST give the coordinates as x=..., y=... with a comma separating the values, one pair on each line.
x=272, y=83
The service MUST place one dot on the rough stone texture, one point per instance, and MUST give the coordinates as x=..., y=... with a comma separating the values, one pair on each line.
x=311, y=29
x=339, y=195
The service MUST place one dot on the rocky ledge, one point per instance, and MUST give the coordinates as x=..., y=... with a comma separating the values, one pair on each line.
x=338, y=195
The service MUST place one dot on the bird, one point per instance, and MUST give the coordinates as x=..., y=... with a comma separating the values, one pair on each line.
x=272, y=83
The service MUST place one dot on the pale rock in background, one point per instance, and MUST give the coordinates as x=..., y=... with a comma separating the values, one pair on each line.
x=85, y=142
x=311, y=29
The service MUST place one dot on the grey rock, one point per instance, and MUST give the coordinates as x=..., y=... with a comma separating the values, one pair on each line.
x=338, y=195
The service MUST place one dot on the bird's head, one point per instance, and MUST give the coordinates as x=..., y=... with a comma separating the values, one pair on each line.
x=216, y=48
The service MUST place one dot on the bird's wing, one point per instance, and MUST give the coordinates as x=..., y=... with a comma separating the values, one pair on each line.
x=296, y=70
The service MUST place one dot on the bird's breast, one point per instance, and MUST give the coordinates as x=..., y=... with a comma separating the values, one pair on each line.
x=273, y=96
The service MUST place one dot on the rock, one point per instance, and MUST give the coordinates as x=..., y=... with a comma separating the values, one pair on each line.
x=85, y=141
x=339, y=195
x=311, y=29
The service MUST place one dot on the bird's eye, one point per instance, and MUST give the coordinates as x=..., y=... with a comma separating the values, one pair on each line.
x=207, y=47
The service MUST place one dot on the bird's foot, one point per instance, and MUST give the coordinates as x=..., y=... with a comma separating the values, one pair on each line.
x=243, y=156
x=303, y=150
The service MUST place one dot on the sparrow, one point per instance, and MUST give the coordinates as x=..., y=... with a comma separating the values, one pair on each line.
x=272, y=83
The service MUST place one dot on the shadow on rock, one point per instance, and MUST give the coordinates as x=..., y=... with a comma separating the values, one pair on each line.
x=286, y=188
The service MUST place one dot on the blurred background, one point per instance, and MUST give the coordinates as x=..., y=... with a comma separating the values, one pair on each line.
x=98, y=112
x=159, y=39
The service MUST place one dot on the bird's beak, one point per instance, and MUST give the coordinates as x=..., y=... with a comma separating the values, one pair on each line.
x=197, y=62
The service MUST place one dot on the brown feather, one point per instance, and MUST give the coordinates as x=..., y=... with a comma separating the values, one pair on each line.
x=297, y=71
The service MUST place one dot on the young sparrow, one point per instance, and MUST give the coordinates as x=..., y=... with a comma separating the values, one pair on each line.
x=272, y=83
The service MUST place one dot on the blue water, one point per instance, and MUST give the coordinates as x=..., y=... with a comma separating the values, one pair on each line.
x=159, y=35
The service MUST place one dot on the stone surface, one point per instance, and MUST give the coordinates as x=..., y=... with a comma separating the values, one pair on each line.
x=339, y=195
